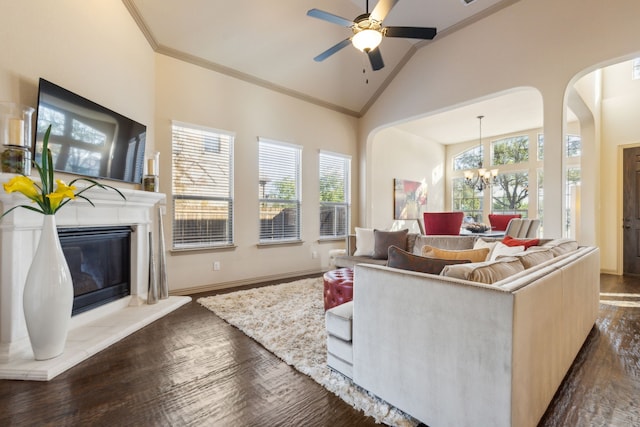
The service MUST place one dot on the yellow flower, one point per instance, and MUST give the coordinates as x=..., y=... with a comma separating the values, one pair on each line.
x=62, y=191
x=48, y=199
x=24, y=185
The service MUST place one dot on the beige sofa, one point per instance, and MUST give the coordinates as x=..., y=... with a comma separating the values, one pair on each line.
x=453, y=352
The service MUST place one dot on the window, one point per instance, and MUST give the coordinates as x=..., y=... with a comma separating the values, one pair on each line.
x=574, y=146
x=540, y=147
x=335, y=197
x=467, y=200
x=540, y=200
x=510, y=150
x=469, y=159
x=572, y=194
x=202, y=187
x=510, y=195
x=636, y=69
x=279, y=191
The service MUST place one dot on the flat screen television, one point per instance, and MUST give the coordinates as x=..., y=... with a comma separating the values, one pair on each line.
x=86, y=138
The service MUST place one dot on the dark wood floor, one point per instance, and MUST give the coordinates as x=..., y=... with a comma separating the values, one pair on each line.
x=192, y=369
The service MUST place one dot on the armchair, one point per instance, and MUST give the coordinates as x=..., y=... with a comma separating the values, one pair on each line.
x=523, y=228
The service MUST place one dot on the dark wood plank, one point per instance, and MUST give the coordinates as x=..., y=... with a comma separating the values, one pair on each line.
x=192, y=368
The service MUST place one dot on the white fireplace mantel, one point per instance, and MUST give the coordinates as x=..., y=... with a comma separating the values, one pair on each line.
x=19, y=236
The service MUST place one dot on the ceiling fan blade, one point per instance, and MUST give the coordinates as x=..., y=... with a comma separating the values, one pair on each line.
x=382, y=9
x=333, y=49
x=426, y=33
x=326, y=16
x=375, y=57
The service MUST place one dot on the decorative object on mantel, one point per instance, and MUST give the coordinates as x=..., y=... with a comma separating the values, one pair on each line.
x=152, y=294
x=15, y=137
x=485, y=178
x=163, y=285
x=48, y=290
x=151, y=181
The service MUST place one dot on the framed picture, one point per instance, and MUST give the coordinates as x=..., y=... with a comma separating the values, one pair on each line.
x=409, y=198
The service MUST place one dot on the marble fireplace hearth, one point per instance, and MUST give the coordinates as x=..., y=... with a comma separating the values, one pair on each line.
x=91, y=331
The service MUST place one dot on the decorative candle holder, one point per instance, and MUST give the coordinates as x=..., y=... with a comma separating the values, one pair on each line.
x=150, y=180
x=15, y=138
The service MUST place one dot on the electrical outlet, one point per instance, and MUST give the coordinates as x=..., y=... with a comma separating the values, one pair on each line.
x=314, y=254
x=216, y=265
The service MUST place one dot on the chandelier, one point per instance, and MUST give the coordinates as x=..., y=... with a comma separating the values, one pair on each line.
x=483, y=178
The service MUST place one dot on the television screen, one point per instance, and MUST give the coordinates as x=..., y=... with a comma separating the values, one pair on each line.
x=86, y=138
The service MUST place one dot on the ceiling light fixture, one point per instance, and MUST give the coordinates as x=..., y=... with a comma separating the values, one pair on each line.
x=484, y=178
x=366, y=40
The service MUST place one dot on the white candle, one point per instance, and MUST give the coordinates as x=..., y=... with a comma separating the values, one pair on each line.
x=16, y=132
x=150, y=167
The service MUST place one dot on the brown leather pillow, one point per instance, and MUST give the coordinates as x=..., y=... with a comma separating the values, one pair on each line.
x=384, y=239
x=408, y=261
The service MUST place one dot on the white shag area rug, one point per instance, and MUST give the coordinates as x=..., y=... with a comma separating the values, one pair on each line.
x=288, y=320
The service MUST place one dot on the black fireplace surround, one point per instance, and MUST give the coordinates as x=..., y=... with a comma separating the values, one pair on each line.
x=99, y=259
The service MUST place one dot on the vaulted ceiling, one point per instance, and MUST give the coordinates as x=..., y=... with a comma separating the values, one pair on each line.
x=273, y=43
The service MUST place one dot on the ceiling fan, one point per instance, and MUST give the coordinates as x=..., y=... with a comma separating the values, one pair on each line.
x=368, y=31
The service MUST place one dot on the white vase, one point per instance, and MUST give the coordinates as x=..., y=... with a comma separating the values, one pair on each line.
x=48, y=295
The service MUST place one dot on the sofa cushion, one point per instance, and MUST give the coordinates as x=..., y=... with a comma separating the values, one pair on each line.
x=561, y=246
x=338, y=321
x=533, y=257
x=485, y=272
x=503, y=250
x=408, y=261
x=527, y=243
x=384, y=239
x=473, y=255
x=364, y=242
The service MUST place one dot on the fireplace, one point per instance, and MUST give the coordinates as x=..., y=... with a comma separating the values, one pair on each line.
x=100, y=263
x=123, y=309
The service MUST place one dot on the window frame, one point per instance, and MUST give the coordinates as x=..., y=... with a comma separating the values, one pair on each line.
x=346, y=203
x=263, y=199
x=211, y=240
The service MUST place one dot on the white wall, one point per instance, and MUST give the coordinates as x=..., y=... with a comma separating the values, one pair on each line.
x=398, y=154
x=193, y=94
x=93, y=48
x=535, y=43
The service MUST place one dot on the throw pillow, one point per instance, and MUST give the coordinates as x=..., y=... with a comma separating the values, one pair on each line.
x=527, y=243
x=364, y=242
x=473, y=255
x=481, y=243
x=408, y=261
x=503, y=250
x=384, y=239
x=485, y=272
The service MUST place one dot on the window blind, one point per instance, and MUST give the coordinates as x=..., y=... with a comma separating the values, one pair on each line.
x=279, y=191
x=202, y=171
x=335, y=198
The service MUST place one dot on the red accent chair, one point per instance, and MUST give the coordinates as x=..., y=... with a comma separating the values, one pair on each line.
x=338, y=287
x=442, y=223
x=499, y=222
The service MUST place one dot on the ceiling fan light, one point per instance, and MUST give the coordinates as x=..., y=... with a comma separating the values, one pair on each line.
x=366, y=40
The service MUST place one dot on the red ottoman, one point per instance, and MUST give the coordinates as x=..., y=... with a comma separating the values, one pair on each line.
x=338, y=287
